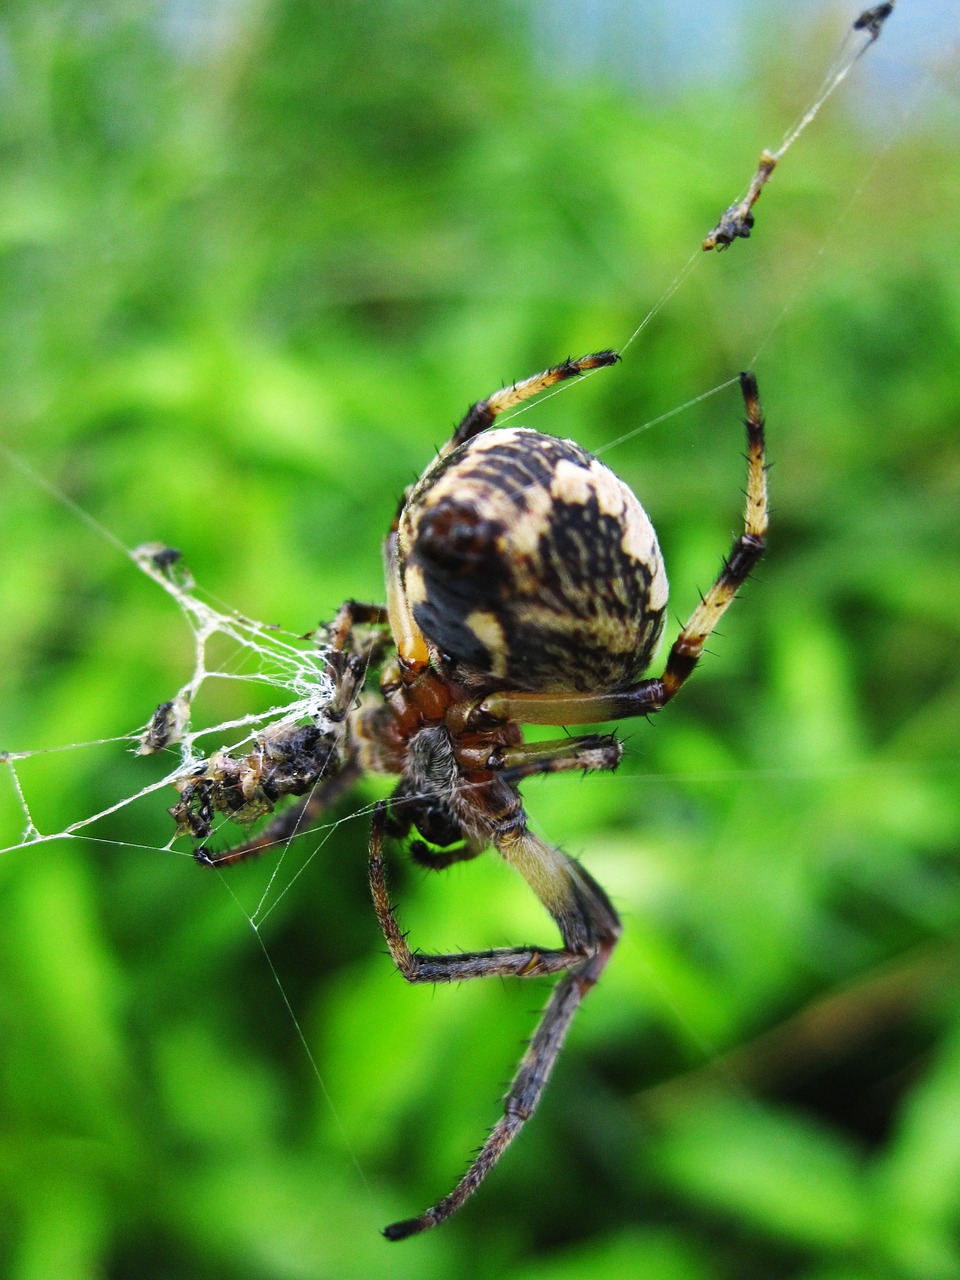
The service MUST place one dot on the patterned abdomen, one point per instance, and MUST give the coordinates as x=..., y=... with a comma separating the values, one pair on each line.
x=525, y=558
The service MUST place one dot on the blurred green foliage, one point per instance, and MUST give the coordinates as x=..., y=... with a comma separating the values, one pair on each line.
x=256, y=260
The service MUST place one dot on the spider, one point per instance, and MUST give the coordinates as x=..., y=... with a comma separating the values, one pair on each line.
x=524, y=585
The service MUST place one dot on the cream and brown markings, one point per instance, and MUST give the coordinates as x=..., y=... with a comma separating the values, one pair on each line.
x=525, y=558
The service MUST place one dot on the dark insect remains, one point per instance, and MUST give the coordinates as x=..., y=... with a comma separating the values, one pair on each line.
x=524, y=585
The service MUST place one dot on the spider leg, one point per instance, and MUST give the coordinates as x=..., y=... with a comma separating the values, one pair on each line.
x=524, y=1093
x=595, y=751
x=589, y=927
x=482, y=414
x=650, y=695
x=350, y=613
x=502, y=962
x=293, y=821
x=350, y=657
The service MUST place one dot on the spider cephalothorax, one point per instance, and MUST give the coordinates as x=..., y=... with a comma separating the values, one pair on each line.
x=524, y=585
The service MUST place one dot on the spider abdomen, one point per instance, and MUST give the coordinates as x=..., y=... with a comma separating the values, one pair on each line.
x=526, y=559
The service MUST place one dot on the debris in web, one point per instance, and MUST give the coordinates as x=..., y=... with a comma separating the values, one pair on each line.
x=286, y=757
x=738, y=219
x=167, y=726
x=289, y=757
x=872, y=20
x=261, y=756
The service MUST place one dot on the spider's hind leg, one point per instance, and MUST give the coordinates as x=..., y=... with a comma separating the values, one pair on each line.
x=589, y=927
x=650, y=695
x=524, y=1093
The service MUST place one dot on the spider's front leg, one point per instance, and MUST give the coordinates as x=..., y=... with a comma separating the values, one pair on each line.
x=589, y=928
x=501, y=962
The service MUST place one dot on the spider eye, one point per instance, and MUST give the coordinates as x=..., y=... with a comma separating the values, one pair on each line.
x=527, y=559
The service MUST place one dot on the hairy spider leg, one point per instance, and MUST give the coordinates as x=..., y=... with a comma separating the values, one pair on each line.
x=482, y=414
x=501, y=962
x=587, y=753
x=350, y=614
x=589, y=928
x=650, y=695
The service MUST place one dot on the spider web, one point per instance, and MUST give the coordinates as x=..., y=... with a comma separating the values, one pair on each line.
x=293, y=668
x=286, y=671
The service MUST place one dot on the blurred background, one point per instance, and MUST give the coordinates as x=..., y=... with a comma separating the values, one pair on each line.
x=258, y=256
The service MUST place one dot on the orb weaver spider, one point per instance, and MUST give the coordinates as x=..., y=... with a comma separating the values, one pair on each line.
x=524, y=585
